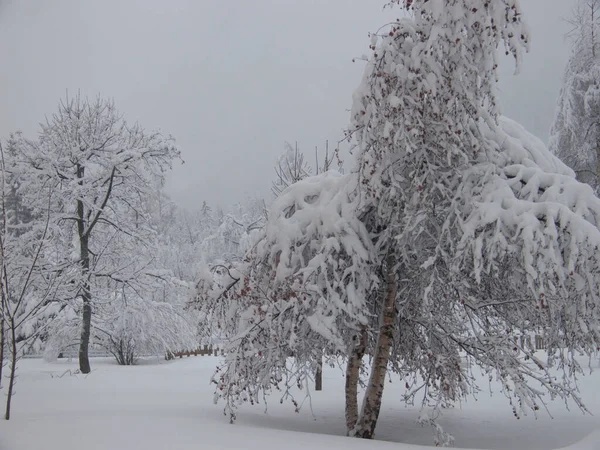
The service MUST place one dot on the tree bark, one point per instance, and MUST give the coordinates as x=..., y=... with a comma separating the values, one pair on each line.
x=13, y=368
x=86, y=295
x=598, y=157
x=2, y=343
x=84, y=343
x=319, y=376
x=352, y=376
x=365, y=427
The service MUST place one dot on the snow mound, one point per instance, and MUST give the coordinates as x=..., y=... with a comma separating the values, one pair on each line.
x=590, y=442
x=522, y=147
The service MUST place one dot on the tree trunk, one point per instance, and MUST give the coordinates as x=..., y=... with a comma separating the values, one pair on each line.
x=352, y=376
x=2, y=344
x=597, y=180
x=86, y=295
x=319, y=376
x=365, y=427
x=84, y=343
x=13, y=368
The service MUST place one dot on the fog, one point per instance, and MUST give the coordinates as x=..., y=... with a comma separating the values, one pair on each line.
x=230, y=80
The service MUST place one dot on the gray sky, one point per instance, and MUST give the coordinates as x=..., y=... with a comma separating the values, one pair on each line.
x=231, y=80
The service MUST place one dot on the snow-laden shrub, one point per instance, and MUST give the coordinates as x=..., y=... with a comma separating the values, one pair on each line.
x=127, y=328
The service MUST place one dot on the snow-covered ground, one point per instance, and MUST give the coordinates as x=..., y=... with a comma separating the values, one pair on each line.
x=169, y=405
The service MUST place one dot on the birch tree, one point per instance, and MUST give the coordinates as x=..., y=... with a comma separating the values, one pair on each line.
x=101, y=169
x=456, y=232
x=417, y=126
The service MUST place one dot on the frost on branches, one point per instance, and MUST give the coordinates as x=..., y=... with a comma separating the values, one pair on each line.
x=101, y=169
x=301, y=290
x=289, y=169
x=457, y=233
x=234, y=233
x=141, y=312
x=129, y=324
x=575, y=133
x=31, y=279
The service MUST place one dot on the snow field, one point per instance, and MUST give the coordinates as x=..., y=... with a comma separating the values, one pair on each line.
x=161, y=405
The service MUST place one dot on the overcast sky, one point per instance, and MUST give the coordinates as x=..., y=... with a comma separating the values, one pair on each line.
x=231, y=80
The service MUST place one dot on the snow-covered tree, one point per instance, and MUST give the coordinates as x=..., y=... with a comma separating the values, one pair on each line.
x=285, y=298
x=291, y=166
x=31, y=280
x=234, y=232
x=457, y=231
x=129, y=326
x=223, y=251
x=101, y=169
x=428, y=92
x=176, y=241
x=575, y=132
x=142, y=312
x=289, y=169
x=145, y=328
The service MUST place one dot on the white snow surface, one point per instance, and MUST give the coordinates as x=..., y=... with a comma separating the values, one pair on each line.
x=522, y=147
x=161, y=405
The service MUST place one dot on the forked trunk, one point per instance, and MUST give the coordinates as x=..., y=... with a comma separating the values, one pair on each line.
x=352, y=376
x=365, y=426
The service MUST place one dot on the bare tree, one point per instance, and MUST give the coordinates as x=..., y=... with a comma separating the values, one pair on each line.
x=291, y=166
x=289, y=169
x=328, y=160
